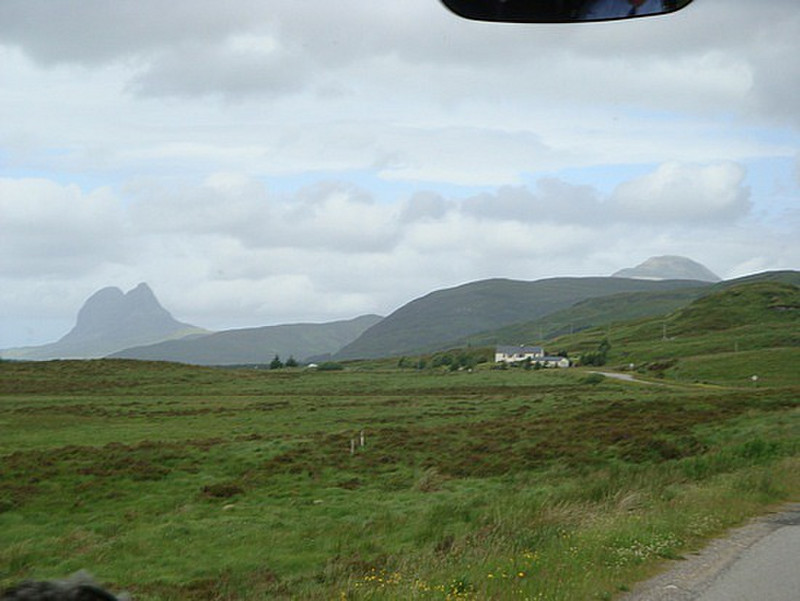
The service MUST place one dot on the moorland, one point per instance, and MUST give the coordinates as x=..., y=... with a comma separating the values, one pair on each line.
x=423, y=477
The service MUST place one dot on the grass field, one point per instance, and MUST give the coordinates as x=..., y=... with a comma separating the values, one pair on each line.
x=178, y=482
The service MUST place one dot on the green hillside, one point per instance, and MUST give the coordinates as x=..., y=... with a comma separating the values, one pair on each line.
x=605, y=310
x=757, y=303
x=256, y=345
x=588, y=313
x=724, y=337
x=786, y=276
x=434, y=321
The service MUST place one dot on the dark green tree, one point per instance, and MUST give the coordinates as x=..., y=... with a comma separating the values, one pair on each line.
x=599, y=356
x=276, y=363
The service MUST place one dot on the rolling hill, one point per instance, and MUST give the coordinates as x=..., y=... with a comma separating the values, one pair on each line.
x=614, y=308
x=436, y=320
x=726, y=336
x=256, y=345
x=585, y=314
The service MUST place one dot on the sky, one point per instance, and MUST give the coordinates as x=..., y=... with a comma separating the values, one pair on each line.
x=259, y=162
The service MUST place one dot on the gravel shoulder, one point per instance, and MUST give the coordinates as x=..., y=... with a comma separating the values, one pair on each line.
x=692, y=578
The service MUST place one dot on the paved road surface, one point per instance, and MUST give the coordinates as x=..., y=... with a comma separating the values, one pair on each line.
x=767, y=571
x=759, y=562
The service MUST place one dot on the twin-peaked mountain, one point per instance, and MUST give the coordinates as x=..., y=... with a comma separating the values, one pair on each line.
x=134, y=325
x=110, y=321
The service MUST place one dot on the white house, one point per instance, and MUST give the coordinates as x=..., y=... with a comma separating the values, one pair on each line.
x=513, y=354
x=516, y=354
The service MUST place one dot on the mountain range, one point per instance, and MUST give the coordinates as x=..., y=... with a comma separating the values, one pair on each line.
x=495, y=311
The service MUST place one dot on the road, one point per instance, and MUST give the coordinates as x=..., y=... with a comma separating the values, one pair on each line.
x=759, y=562
x=767, y=571
x=616, y=376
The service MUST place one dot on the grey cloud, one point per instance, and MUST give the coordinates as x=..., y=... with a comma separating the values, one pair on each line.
x=337, y=216
x=552, y=201
x=672, y=193
x=330, y=215
x=317, y=194
x=685, y=193
x=233, y=207
x=97, y=31
x=424, y=206
x=53, y=229
x=225, y=69
x=188, y=48
x=469, y=155
x=776, y=80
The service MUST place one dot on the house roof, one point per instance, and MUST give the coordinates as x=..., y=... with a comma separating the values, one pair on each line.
x=513, y=350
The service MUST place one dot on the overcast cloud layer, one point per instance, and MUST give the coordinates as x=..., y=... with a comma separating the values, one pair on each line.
x=268, y=161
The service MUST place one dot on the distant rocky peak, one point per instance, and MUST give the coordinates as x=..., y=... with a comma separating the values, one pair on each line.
x=102, y=304
x=108, y=306
x=668, y=267
x=142, y=297
x=110, y=321
x=141, y=290
x=108, y=294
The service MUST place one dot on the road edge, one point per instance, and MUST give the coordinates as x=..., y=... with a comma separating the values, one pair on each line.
x=687, y=579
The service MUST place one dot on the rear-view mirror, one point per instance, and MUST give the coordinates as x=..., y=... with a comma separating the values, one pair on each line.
x=561, y=11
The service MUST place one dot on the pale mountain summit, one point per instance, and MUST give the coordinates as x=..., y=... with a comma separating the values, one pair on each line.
x=669, y=267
